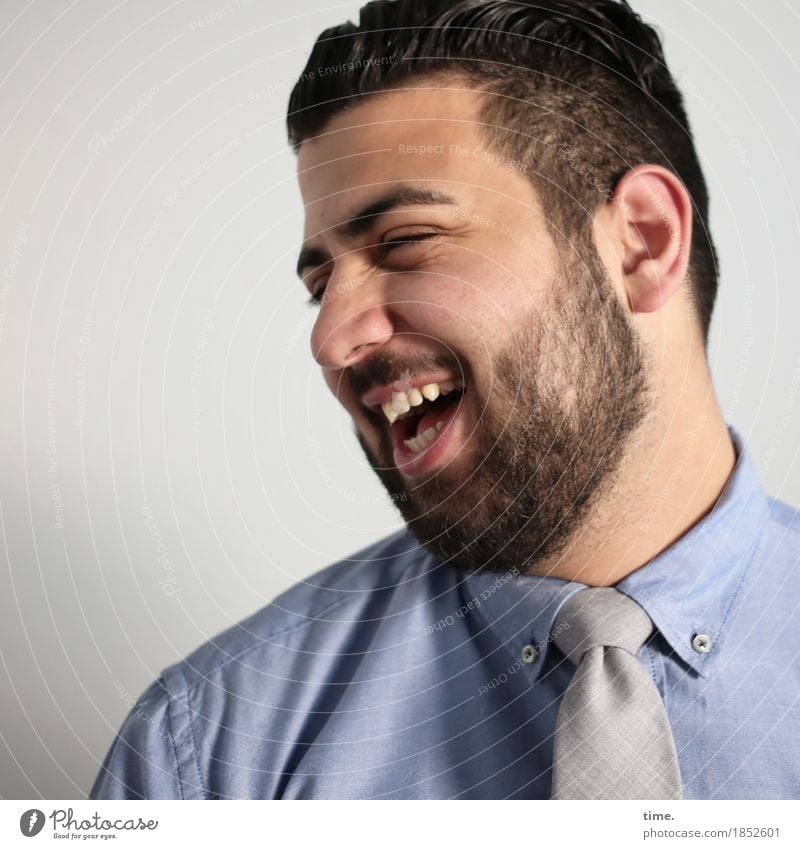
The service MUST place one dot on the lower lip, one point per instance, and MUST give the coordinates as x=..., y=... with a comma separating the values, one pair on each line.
x=438, y=452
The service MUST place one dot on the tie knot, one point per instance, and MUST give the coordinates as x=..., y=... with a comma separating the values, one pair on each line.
x=600, y=616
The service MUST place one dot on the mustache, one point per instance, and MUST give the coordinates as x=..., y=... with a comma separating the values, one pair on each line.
x=383, y=369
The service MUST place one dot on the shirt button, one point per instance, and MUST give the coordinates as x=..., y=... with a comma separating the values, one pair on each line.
x=530, y=654
x=701, y=643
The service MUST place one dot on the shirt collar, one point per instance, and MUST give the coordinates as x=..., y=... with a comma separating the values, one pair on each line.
x=689, y=590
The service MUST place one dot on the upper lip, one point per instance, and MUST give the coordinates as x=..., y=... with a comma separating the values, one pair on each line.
x=383, y=394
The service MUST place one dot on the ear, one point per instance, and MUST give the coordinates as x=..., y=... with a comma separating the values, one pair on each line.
x=656, y=230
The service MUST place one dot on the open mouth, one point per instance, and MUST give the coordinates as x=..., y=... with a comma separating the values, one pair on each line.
x=418, y=429
x=421, y=425
x=424, y=424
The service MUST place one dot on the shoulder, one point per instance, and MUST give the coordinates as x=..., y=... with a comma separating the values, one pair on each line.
x=157, y=753
x=786, y=517
x=776, y=555
x=338, y=591
x=775, y=564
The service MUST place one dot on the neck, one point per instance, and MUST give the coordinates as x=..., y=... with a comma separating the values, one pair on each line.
x=675, y=470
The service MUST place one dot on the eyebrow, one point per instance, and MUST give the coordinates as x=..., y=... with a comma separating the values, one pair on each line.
x=365, y=220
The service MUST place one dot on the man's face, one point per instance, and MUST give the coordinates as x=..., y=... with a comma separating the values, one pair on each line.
x=438, y=277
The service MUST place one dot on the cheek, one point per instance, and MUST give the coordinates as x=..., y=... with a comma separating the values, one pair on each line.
x=453, y=295
x=463, y=312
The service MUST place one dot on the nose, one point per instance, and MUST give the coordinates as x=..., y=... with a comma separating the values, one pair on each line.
x=353, y=322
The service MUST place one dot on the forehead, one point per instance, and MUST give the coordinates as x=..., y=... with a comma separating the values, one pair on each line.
x=424, y=133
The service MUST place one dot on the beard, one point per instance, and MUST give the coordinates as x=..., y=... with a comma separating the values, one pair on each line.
x=568, y=391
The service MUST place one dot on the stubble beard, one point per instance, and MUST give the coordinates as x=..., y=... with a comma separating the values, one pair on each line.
x=568, y=392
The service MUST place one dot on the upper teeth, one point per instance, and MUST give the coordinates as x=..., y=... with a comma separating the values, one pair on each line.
x=402, y=402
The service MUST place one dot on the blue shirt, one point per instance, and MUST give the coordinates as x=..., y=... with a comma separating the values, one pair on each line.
x=387, y=675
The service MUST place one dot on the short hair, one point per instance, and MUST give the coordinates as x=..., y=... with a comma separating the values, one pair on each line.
x=576, y=90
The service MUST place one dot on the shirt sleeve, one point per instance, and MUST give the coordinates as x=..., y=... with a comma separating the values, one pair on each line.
x=143, y=761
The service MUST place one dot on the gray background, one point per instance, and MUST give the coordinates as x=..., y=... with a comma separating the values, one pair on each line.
x=171, y=458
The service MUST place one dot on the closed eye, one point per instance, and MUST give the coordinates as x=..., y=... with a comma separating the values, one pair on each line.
x=384, y=249
x=315, y=298
x=389, y=245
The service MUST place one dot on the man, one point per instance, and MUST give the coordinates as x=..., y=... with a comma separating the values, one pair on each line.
x=507, y=239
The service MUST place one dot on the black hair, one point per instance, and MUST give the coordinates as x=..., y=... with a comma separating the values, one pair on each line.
x=577, y=90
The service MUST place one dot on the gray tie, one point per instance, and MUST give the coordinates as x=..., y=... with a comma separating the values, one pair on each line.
x=613, y=739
